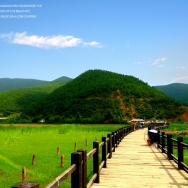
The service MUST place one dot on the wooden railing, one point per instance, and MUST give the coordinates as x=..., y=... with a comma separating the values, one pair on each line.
x=167, y=144
x=78, y=168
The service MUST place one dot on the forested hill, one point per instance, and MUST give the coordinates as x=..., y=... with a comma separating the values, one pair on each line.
x=102, y=96
x=15, y=83
x=62, y=80
x=177, y=91
x=16, y=100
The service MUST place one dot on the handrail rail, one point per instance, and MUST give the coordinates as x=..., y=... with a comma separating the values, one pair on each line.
x=62, y=177
x=107, y=156
x=174, y=140
x=78, y=170
x=101, y=144
x=184, y=144
x=90, y=154
x=167, y=147
x=92, y=180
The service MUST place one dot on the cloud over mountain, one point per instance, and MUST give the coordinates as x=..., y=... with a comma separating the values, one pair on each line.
x=182, y=79
x=47, y=42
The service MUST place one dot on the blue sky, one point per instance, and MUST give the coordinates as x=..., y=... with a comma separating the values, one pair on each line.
x=147, y=39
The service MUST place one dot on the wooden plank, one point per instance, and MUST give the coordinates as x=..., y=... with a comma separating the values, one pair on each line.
x=135, y=164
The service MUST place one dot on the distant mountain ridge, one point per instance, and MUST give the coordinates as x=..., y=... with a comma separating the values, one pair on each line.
x=15, y=100
x=177, y=91
x=62, y=79
x=15, y=83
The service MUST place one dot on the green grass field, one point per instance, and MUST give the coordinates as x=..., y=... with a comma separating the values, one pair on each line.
x=178, y=127
x=19, y=143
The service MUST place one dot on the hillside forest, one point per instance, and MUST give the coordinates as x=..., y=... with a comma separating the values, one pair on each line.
x=177, y=91
x=24, y=92
x=96, y=96
x=99, y=96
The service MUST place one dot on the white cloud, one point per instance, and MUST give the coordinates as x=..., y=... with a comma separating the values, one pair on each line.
x=46, y=42
x=180, y=67
x=161, y=66
x=6, y=36
x=157, y=61
x=94, y=43
x=182, y=79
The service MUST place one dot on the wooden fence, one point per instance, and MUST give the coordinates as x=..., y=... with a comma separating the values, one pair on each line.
x=167, y=144
x=78, y=168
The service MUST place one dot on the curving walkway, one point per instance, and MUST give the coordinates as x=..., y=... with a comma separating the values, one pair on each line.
x=134, y=164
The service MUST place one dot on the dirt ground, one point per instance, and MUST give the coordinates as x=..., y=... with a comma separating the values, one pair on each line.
x=185, y=132
x=184, y=116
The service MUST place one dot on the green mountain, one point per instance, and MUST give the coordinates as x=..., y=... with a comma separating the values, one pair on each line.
x=16, y=100
x=8, y=83
x=62, y=80
x=102, y=96
x=177, y=91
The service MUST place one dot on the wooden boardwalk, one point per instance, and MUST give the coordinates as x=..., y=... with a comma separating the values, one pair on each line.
x=134, y=164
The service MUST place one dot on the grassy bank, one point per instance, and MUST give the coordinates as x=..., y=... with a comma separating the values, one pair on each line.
x=178, y=127
x=19, y=143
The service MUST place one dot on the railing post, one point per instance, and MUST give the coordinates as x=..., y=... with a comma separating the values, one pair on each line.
x=180, y=153
x=121, y=135
x=116, y=138
x=110, y=145
x=23, y=174
x=169, y=146
x=127, y=130
x=84, y=167
x=158, y=139
x=96, y=161
x=104, y=151
x=76, y=177
x=113, y=141
x=163, y=142
x=123, y=132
